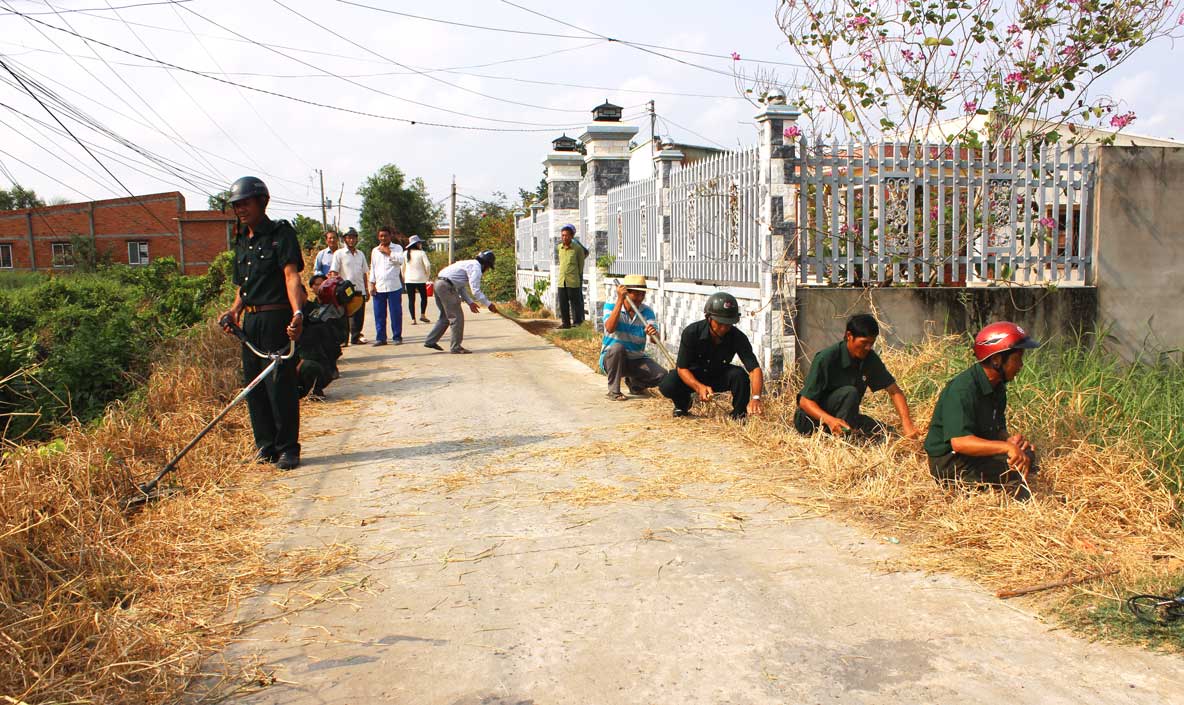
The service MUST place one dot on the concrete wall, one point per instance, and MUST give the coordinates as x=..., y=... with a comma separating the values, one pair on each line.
x=908, y=314
x=1140, y=249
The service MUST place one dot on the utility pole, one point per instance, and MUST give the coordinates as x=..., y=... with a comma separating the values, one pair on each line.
x=653, y=129
x=452, y=219
x=324, y=216
x=337, y=223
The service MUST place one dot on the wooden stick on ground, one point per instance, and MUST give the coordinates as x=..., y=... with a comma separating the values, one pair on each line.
x=1004, y=594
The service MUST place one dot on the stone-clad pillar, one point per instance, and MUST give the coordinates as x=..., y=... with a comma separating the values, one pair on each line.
x=779, y=244
x=606, y=142
x=666, y=163
x=564, y=171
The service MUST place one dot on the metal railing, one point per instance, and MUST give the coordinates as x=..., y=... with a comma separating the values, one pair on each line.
x=944, y=215
x=716, y=227
x=633, y=228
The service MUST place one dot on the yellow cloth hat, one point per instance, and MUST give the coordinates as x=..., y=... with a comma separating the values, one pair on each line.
x=634, y=281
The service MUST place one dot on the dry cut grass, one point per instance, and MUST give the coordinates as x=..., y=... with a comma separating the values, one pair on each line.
x=98, y=606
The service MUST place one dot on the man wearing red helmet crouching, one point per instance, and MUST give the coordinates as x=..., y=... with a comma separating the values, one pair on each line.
x=968, y=438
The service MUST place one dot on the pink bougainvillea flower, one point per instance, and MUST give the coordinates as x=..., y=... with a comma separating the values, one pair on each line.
x=1015, y=77
x=735, y=56
x=1113, y=53
x=908, y=54
x=858, y=22
x=1122, y=120
x=792, y=132
x=970, y=106
x=933, y=213
x=1013, y=29
x=866, y=56
x=1048, y=223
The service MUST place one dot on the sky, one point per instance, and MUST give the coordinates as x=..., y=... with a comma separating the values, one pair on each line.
x=506, y=94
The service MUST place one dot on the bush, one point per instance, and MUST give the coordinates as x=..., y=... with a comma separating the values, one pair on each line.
x=71, y=344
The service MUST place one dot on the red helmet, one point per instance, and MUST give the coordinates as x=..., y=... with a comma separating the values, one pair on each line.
x=1001, y=337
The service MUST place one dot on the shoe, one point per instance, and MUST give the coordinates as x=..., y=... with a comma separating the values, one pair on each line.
x=682, y=414
x=355, y=342
x=378, y=343
x=362, y=340
x=637, y=391
x=288, y=459
x=616, y=396
x=433, y=346
x=564, y=326
x=265, y=456
x=317, y=396
x=462, y=351
x=424, y=319
x=397, y=341
x=414, y=322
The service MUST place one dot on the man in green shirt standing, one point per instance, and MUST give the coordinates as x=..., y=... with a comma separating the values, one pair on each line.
x=571, y=277
x=839, y=375
x=968, y=437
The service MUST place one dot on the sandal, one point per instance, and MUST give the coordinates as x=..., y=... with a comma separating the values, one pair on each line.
x=616, y=396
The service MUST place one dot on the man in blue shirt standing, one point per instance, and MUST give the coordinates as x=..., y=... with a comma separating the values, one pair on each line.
x=622, y=354
x=324, y=260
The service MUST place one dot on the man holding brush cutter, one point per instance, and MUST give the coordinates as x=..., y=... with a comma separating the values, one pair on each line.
x=269, y=298
x=627, y=322
x=968, y=439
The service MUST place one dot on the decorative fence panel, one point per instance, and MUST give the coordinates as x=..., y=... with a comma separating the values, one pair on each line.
x=633, y=228
x=524, y=249
x=891, y=213
x=716, y=226
x=544, y=246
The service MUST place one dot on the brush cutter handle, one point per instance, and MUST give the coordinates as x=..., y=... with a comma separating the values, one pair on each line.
x=230, y=326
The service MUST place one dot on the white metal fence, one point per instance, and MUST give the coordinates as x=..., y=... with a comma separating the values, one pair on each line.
x=715, y=230
x=944, y=215
x=633, y=228
x=533, y=242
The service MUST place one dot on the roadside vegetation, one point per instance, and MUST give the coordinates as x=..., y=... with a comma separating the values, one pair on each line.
x=1109, y=496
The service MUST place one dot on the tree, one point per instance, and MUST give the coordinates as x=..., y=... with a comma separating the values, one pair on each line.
x=308, y=231
x=489, y=225
x=388, y=199
x=19, y=197
x=219, y=201
x=538, y=195
x=900, y=67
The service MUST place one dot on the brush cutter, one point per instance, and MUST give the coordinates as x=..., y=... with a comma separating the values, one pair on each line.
x=149, y=491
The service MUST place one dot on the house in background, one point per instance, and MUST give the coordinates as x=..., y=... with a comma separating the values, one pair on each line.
x=641, y=156
x=134, y=231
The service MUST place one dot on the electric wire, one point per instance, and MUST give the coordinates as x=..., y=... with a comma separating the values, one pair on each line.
x=421, y=73
x=85, y=10
x=304, y=101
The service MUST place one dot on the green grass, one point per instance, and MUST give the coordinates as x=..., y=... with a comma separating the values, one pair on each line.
x=584, y=331
x=1109, y=618
x=17, y=279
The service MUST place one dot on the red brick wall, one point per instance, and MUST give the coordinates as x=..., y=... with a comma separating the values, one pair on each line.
x=155, y=218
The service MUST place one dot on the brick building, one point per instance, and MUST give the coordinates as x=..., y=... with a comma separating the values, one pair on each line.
x=131, y=231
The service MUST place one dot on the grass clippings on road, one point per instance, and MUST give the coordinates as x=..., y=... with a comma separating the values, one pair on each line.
x=1104, y=502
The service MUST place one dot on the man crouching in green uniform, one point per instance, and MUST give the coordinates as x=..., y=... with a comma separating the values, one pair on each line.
x=968, y=437
x=838, y=378
x=267, y=264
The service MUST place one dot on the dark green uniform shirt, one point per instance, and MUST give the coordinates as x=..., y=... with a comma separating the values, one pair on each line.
x=571, y=264
x=698, y=353
x=833, y=367
x=259, y=261
x=969, y=406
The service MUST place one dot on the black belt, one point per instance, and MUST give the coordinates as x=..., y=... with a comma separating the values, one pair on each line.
x=266, y=307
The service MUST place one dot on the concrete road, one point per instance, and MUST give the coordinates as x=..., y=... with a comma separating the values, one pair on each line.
x=500, y=568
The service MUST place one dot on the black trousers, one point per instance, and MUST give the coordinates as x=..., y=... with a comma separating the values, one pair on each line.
x=989, y=469
x=412, y=290
x=274, y=405
x=571, y=305
x=842, y=403
x=730, y=379
x=356, y=323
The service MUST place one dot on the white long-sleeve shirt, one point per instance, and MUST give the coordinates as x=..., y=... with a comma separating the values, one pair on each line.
x=418, y=269
x=386, y=271
x=351, y=266
x=466, y=276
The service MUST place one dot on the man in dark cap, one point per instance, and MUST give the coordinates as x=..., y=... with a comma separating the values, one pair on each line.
x=269, y=300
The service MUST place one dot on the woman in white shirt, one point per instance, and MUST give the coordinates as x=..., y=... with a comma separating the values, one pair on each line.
x=417, y=272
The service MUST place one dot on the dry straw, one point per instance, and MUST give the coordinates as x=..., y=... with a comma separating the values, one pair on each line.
x=97, y=606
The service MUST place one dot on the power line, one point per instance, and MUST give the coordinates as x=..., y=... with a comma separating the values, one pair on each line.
x=421, y=73
x=103, y=9
x=295, y=99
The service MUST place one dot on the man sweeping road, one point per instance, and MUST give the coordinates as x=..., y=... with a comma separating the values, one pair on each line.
x=459, y=281
x=622, y=356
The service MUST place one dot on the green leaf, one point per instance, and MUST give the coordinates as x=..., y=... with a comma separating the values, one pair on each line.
x=849, y=115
